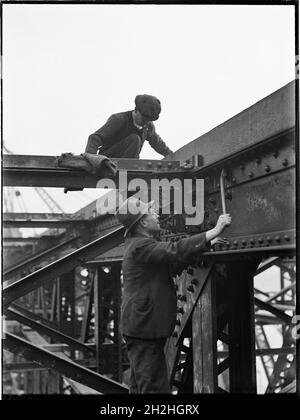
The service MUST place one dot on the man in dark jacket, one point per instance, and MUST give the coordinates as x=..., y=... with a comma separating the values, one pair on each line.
x=148, y=312
x=124, y=134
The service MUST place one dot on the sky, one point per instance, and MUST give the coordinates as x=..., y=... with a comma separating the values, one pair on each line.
x=67, y=68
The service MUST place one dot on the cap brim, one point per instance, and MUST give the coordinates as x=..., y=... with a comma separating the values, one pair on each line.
x=138, y=219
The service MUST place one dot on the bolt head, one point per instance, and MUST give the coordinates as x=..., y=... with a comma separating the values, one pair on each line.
x=267, y=168
x=250, y=174
x=285, y=162
x=277, y=238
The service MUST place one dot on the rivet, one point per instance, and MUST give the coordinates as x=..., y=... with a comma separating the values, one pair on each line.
x=216, y=210
x=212, y=201
x=159, y=165
x=207, y=179
x=244, y=242
x=149, y=164
x=252, y=241
x=286, y=237
x=277, y=238
x=218, y=185
x=260, y=240
x=190, y=288
x=267, y=168
x=235, y=243
x=250, y=174
x=195, y=282
x=269, y=239
x=175, y=334
x=275, y=154
x=169, y=165
x=285, y=162
x=233, y=180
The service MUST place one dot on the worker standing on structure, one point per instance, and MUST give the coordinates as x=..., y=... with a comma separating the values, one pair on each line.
x=124, y=134
x=148, y=312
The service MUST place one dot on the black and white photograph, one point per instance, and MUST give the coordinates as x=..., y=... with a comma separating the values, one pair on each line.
x=149, y=203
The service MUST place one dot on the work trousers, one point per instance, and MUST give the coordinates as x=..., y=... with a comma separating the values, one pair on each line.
x=129, y=147
x=148, y=365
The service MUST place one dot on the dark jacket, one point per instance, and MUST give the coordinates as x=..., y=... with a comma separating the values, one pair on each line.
x=118, y=127
x=149, y=299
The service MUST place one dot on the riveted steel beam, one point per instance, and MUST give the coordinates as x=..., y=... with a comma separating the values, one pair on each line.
x=44, y=171
x=270, y=308
x=52, y=271
x=50, y=332
x=36, y=259
x=35, y=317
x=66, y=367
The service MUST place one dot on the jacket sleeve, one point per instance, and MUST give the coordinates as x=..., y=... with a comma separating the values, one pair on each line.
x=105, y=134
x=150, y=251
x=157, y=143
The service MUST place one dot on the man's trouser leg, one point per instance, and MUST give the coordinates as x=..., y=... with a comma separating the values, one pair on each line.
x=127, y=148
x=148, y=364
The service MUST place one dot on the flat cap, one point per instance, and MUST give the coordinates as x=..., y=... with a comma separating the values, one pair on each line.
x=149, y=106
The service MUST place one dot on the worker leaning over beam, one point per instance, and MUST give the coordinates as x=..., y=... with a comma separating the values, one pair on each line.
x=124, y=134
x=148, y=312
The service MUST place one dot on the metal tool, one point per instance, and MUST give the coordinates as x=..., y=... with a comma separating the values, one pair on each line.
x=223, y=175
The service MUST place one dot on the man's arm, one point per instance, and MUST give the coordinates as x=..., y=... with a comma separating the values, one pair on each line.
x=157, y=143
x=105, y=134
x=148, y=250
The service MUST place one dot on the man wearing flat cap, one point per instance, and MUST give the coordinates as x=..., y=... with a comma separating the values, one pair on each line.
x=124, y=134
x=148, y=312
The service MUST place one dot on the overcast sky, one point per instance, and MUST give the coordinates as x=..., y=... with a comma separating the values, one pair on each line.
x=67, y=68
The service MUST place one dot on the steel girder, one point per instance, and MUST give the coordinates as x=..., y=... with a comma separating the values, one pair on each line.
x=260, y=194
x=43, y=171
x=65, y=367
x=51, y=271
x=38, y=258
x=50, y=332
